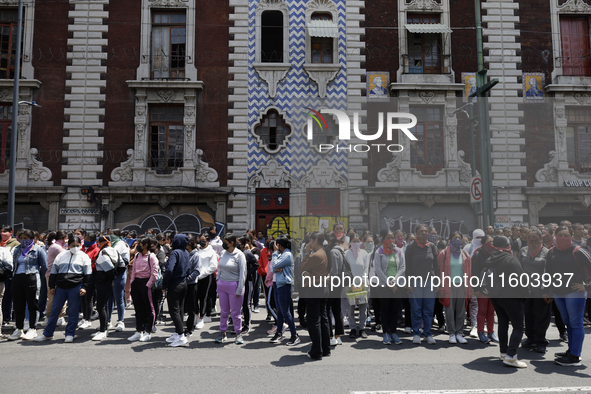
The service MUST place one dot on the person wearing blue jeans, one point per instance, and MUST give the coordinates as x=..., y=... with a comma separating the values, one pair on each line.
x=59, y=299
x=422, y=305
x=118, y=297
x=566, y=260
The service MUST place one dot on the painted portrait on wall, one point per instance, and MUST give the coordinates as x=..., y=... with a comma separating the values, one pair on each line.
x=377, y=86
x=533, y=87
x=469, y=81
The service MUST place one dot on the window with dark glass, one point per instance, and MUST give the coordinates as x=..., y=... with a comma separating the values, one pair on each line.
x=324, y=134
x=272, y=37
x=322, y=47
x=426, y=154
x=578, y=139
x=424, y=49
x=166, y=138
x=8, y=26
x=168, y=45
x=5, y=136
x=576, y=54
x=272, y=130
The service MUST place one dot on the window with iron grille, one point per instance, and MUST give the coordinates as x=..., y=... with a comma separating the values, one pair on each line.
x=168, y=45
x=8, y=27
x=166, y=138
x=272, y=130
x=5, y=136
x=578, y=139
x=424, y=49
x=426, y=154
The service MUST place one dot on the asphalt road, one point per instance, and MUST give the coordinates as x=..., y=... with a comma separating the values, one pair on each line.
x=118, y=366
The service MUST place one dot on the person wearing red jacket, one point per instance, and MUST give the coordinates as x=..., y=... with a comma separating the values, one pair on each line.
x=455, y=268
x=262, y=272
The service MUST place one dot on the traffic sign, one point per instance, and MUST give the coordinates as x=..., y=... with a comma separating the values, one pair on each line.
x=475, y=190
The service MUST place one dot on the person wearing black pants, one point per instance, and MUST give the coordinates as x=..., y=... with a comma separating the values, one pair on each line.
x=141, y=295
x=389, y=310
x=438, y=312
x=106, y=271
x=510, y=310
x=537, y=321
x=24, y=294
x=191, y=305
x=103, y=290
x=252, y=265
x=174, y=283
x=318, y=327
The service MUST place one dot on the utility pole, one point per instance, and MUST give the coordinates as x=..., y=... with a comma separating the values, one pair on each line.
x=15, y=105
x=484, y=126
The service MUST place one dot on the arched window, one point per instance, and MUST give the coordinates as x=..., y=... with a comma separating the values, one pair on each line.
x=322, y=38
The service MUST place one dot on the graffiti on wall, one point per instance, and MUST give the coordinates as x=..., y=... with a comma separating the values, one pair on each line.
x=186, y=219
x=444, y=227
x=298, y=226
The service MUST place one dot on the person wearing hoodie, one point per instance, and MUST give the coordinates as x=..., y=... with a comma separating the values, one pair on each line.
x=106, y=272
x=537, y=311
x=28, y=260
x=91, y=249
x=70, y=277
x=282, y=267
x=191, y=305
x=359, y=262
x=207, y=264
x=569, y=266
x=508, y=301
x=486, y=311
x=174, y=285
x=230, y=278
x=473, y=302
x=455, y=264
x=390, y=266
x=57, y=246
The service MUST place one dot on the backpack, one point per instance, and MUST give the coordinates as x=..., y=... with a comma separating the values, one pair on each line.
x=114, y=272
x=487, y=281
x=158, y=281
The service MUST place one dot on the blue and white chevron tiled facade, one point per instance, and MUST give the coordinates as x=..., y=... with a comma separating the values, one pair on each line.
x=251, y=99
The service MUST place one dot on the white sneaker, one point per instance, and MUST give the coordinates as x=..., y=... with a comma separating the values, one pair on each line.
x=207, y=319
x=94, y=316
x=453, y=339
x=345, y=322
x=431, y=340
x=100, y=336
x=408, y=330
x=333, y=342
x=181, y=341
x=200, y=324
x=60, y=322
x=120, y=326
x=145, y=337
x=416, y=339
x=81, y=322
x=17, y=334
x=31, y=334
x=473, y=332
x=135, y=337
x=460, y=338
x=172, y=338
x=85, y=324
x=69, y=339
x=514, y=362
x=502, y=356
x=339, y=341
x=42, y=338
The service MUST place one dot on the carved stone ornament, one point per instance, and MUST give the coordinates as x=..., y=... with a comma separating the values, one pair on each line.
x=165, y=95
x=272, y=74
x=561, y=132
x=124, y=173
x=321, y=5
x=428, y=97
x=271, y=175
x=273, y=5
x=4, y=95
x=9, y=2
x=139, y=130
x=428, y=201
x=560, y=112
x=465, y=168
x=189, y=131
x=424, y=5
x=323, y=175
x=550, y=171
x=36, y=170
x=574, y=6
x=583, y=98
x=22, y=130
x=260, y=142
x=140, y=110
x=169, y=3
x=189, y=111
x=392, y=171
x=202, y=171
x=322, y=75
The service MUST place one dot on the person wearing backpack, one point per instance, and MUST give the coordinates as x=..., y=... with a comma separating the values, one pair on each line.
x=508, y=300
x=144, y=273
x=106, y=272
x=118, y=297
x=390, y=265
x=572, y=264
x=454, y=262
x=70, y=277
x=537, y=311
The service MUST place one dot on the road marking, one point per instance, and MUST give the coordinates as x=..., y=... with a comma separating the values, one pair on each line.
x=586, y=389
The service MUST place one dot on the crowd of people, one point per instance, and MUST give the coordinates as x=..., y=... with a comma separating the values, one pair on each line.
x=88, y=275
